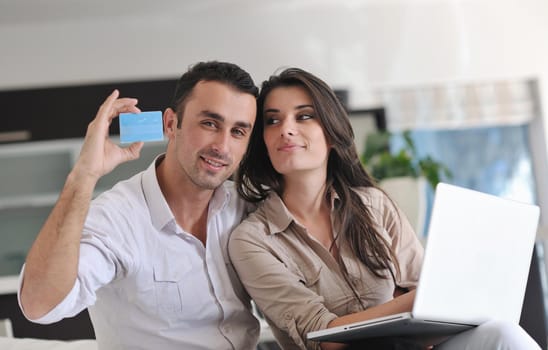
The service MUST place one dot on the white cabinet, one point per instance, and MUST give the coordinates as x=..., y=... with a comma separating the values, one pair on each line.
x=31, y=176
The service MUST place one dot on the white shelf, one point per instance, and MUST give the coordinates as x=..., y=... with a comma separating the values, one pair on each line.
x=9, y=284
x=32, y=177
x=39, y=200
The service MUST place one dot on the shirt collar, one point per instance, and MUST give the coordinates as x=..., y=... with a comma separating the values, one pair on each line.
x=279, y=217
x=160, y=212
x=159, y=209
x=220, y=199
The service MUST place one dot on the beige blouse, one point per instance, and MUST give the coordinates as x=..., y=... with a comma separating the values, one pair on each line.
x=297, y=283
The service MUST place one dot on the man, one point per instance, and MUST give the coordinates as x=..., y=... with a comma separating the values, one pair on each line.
x=149, y=257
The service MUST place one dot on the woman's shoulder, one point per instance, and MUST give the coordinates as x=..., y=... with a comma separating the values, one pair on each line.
x=376, y=200
x=252, y=234
x=255, y=219
x=371, y=194
x=256, y=222
x=270, y=217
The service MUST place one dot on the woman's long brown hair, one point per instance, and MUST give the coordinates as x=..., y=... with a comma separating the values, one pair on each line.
x=256, y=176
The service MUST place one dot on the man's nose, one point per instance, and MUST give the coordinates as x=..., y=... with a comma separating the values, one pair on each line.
x=221, y=143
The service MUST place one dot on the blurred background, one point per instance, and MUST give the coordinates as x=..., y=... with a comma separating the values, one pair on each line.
x=468, y=79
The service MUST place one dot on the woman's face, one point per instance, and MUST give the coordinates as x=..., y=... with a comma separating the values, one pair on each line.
x=293, y=135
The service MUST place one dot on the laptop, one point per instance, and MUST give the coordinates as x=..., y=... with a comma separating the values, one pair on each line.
x=475, y=268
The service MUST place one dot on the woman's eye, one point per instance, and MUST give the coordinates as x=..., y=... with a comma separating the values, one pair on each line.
x=271, y=121
x=305, y=116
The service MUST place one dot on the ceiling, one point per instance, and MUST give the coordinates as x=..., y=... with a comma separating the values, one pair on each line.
x=20, y=12
x=23, y=12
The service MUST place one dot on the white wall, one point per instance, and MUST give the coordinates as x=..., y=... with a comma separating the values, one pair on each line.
x=352, y=44
x=358, y=44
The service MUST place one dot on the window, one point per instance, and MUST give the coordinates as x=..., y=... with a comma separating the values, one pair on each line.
x=495, y=160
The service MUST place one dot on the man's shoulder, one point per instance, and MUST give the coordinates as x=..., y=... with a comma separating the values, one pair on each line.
x=118, y=213
x=130, y=186
x=124, y=196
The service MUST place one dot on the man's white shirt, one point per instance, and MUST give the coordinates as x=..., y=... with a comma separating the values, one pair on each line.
x=148, y=284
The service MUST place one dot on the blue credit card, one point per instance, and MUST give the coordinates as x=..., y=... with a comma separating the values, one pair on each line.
x=145, y=126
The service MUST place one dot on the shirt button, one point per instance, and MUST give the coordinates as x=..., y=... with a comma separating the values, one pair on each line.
x=227, y=329
x=355, y=282
x=288, y=316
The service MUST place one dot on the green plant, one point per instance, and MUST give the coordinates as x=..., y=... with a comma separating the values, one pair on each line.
x=382, y=164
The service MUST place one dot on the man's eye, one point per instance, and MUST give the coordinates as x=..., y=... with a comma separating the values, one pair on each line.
x=238, y=132
x=209, y=124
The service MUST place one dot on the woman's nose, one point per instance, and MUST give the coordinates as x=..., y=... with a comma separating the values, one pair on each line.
x=288, y=129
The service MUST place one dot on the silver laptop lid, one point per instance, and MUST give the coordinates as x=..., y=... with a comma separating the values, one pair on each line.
x=477, y=258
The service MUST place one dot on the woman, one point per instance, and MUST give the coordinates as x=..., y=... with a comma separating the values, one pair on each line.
x=326, y=247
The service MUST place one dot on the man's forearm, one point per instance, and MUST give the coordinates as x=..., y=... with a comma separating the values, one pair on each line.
x=52, y=263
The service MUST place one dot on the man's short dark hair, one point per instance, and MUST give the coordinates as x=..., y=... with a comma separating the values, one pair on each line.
x=223, y=72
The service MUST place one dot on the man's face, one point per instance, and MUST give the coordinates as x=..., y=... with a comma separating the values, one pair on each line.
x=214, y=133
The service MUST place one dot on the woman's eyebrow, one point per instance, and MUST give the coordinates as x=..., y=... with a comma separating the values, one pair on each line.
x=275, y=110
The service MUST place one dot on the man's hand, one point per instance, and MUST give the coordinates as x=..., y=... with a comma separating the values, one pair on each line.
x=52, y=262
x=99, y=155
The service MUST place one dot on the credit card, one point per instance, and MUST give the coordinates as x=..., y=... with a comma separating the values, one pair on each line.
x=144, y=126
